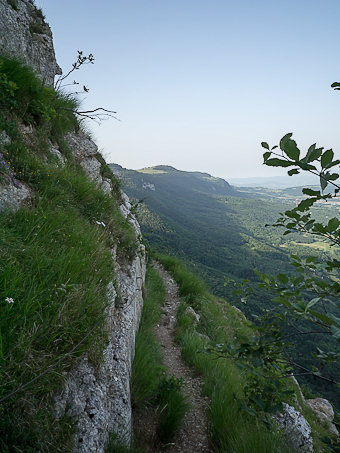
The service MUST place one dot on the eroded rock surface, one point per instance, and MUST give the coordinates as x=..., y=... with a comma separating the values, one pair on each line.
x=25, y=34
x=98, y=400
x=324, y=413
x=296, y=429
x=14, y=194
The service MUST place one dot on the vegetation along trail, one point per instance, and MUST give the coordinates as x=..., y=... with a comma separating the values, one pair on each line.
x=192, y=436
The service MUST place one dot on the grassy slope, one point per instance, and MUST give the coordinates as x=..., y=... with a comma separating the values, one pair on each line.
x=55, y=263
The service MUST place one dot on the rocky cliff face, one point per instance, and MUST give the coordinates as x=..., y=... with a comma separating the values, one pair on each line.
x=24, y=33
x=97, y=398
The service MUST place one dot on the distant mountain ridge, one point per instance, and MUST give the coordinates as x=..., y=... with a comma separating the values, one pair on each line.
x=220, y=231
x=175, y=180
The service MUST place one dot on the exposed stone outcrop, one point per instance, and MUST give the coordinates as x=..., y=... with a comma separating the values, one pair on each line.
x=14, y=194
x=99, y=399
x=296, y=429
x=324, y=413
x=192, y=314
x=96, y=397
x=25, y=34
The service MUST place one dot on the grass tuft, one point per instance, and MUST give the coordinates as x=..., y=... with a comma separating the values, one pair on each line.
x=23, y=93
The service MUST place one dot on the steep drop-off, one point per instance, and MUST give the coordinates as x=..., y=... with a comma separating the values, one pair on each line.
x=72, y=265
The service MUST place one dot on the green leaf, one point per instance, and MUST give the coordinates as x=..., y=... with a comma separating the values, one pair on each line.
x=304, y=205
x=278, y=163
x=335, y=319
x=324, y=318
x=293, y=172
x=296, y=258
x=305, y=166
x=265, y=145
x=333, y=177
x=323, y=181
x=311, y=259
x=283, y=278
x=335, y=162
x=333, y=224
x=289, y=147
x=335, y=332
x=311, y=192
x=327, y=158
x=319, y=228
x=313, y=153
x=266, y=155
x=312, y=302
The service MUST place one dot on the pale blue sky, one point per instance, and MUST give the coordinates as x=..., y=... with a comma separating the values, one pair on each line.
x=197, y=84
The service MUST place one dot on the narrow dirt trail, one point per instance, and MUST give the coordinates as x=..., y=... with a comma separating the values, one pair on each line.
x=192, y=436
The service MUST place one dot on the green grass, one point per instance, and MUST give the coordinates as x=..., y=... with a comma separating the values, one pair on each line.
x=150, y=383
x=116, y=446
x=55, y=263
x=172, y=406
x=191, y=287
x=22, y=93
x=231, y=429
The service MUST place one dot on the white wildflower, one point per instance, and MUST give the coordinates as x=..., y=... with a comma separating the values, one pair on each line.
x=9, y=300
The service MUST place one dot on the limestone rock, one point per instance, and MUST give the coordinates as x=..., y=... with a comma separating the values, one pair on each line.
x=55, y=152
x=106, y=186
x=81, y=144
x=204, y=337
x=324, y=413
x=296, y=429
x=99, y=399
x=238, y=310
x=25, y=34
x=4, y=138
x=191, y=312
x=92, y=168
x=13, y=194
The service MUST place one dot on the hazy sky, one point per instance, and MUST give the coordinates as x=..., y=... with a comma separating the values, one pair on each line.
x=199, y=84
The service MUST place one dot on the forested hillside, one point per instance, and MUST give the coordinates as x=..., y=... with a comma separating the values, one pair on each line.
x=220, y=232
